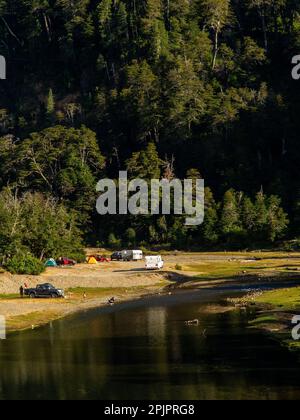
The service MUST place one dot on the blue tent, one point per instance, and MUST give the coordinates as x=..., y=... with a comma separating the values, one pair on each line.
x=51, y=263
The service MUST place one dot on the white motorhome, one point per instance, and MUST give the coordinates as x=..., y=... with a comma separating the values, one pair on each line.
x=154, y=263
x=137, y=255
x=129, y=255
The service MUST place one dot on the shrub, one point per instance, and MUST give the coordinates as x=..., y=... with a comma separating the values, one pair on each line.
x=114, y=242
x=178, y=267
x=144, y=249
x=25, y=264
x=39, y=225
x=78, y=255
x=130, y=237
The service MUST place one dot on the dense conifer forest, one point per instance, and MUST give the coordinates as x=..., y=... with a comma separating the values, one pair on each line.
x=170, y=88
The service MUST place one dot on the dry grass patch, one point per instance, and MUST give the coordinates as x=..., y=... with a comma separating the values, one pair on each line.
x=31, y=320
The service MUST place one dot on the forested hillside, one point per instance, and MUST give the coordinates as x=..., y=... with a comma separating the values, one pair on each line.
x=158, y=87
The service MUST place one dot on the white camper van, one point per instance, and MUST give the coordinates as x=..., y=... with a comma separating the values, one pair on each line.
x=154, y=263
x=137, y=255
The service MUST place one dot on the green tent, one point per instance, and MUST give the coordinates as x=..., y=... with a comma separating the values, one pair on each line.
x=51, y=263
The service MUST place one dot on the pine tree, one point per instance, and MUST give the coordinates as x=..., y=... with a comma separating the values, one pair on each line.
x=230, y=221
x=141, y=99
x=145, y=164
x=186, y=100
x=121, y=21
x=248, y=214
x=261, y=215
x=277, y=220
x=262, y=7
x=105, y=13
x=50, y=108
x=217, y=14
x=209, y=229
x=154, y=30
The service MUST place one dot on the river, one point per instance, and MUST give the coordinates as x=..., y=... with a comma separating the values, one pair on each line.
x=144, y=350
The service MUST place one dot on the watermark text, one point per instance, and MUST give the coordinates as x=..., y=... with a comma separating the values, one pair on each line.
x=155, y=197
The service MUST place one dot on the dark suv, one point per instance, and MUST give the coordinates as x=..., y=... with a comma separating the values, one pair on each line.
x=44, y=291
x=117, y=256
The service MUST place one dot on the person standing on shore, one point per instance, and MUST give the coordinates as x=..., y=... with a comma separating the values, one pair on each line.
x=22, y=292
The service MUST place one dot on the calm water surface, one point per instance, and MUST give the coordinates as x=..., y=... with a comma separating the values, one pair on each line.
x=145, y=351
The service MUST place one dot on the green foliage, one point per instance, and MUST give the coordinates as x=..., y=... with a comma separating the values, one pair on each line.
x=145, y=164
x=209, y=230
x=272, y=220
x=50, y=103
x=113, y=242
x=245, y=221
x=130, y=237
x=60, y=161
x=187, y=104
x=230, y=216
x=140, y=97
x=37, y=224
x=201, y=83
x=25, y=264
x=75, y=253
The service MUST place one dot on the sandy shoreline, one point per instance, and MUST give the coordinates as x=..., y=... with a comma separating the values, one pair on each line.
x=31, y=315
x=124, y=281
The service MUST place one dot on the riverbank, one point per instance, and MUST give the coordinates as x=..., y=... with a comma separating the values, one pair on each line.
x=89, y=286
x=23, y=314
x=274, y=311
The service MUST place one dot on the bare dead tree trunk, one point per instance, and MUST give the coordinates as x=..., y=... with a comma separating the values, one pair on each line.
x=47, y=26
x=11, y=31
x=264, y=28
x=216, y=48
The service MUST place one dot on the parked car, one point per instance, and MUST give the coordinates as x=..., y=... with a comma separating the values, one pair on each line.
x=44, y=291
x=116, y=256
x=65, y=262
x=154, y=263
